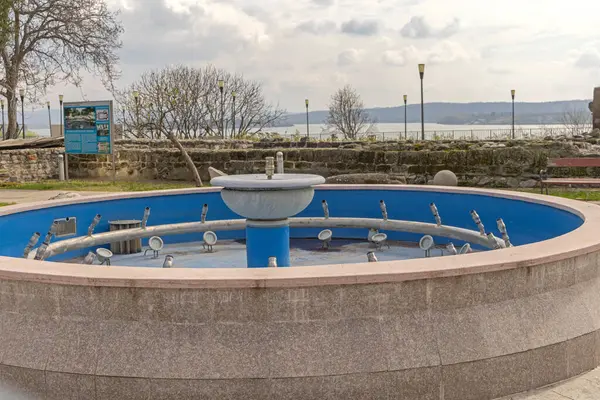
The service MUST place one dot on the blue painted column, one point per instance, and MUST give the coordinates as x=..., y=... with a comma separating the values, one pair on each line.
x=266, y=239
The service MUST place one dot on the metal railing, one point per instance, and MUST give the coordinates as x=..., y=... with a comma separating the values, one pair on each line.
x=456, y=134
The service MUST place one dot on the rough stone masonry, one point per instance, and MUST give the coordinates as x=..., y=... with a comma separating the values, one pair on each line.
x=484, y=163
x=491, y=164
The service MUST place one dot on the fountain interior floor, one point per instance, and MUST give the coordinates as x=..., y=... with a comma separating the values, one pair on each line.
x=303, y=252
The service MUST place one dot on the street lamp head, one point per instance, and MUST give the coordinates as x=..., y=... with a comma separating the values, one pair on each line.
x=221, y=83
x=405, y=98
x=233, y=94
x=22, y=92
x=61, y=98
x=48, y=104
x=136, y=94
x=306, y=102
x=512, y=93
x=421, y=69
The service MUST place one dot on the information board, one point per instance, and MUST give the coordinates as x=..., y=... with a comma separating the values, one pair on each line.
x=88, y=127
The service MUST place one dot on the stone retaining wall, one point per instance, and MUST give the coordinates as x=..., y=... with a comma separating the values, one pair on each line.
x=489, y=164
x=29, y=165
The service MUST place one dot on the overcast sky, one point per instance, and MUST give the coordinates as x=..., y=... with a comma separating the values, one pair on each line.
x=474, y=50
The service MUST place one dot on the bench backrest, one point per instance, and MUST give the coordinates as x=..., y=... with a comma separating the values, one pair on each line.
x=574, y=162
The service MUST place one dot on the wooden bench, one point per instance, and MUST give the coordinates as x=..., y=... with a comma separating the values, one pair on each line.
x=565, y=163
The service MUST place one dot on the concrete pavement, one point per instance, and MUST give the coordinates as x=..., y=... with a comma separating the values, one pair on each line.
x=583, y=387
x=29, y=196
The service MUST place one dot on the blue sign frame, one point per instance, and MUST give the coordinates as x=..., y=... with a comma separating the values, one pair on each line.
x=88, y=127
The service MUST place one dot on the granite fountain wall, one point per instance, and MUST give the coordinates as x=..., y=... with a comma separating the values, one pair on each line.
x=469, y=327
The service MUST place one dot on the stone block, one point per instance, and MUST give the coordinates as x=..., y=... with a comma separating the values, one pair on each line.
x=401, y=297
x=14, y=381
x=581, y=354
x=154, y=350
x=362, y=386
x=548, y=364
x=27, y=340
x=355, y=345
x=74, y=347
x=60, y=386
x=415, y=384
x=410, y=341
x=305, y=304
x=240, y=305
x=487, y=379
x=111, y=388
x=296, y=349
x=318, y=387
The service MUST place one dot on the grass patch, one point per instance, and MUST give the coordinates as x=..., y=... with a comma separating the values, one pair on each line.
x=6, y=204
x=96, y=186
x=575, y=194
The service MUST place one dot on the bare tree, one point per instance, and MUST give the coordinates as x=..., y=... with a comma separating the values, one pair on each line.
x=576, y=121
x=50, y=40
x=198, y=111
x=347, y=114
x=163, y=118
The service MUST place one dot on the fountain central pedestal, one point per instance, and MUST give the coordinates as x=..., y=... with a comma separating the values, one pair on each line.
x=267, y=204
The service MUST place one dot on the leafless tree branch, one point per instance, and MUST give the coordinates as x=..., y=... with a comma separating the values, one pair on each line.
x=347, y=114
x=45, y=41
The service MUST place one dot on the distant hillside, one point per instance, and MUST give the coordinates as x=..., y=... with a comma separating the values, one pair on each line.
x=443, y=113
x=463, y=113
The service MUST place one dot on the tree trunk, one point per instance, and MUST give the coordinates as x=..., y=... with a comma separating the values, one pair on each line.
x=188, y=160
x=12, y=105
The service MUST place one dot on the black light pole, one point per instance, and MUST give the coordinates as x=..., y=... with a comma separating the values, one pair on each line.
x=62, y=133
x=422, y=74
x=22, y=95
x=221, y=87
x=405, y=100
x=3, y=126
x=60, y=101
x=512, y=94
x=307, y=128
x=136, y=97
x=49, y=118
x=233, y=96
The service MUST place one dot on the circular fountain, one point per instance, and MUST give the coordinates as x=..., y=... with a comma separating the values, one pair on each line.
x=267, y=201
x=503, y=315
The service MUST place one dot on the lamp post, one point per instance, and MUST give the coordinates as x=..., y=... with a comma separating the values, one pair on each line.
x=233, y=96
x=512, y=94
x=136, y=97
x=405, y=100
x=62, y=133
x=60, y=101
x=307, y=126
x=221, y=83
x=22, y=95
x=422, y=74
x=49, y=117
x=3, y=126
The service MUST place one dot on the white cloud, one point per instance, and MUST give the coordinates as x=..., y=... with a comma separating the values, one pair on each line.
x=309, y=48
x=588, y=58
x=349, y=57
x=393, y=57
x=419, y=28
x=441, y=53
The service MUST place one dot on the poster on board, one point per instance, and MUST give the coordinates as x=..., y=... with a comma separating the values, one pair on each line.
x=88, y=127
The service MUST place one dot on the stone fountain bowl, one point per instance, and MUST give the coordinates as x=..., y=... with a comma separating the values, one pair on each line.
x=256, y=197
